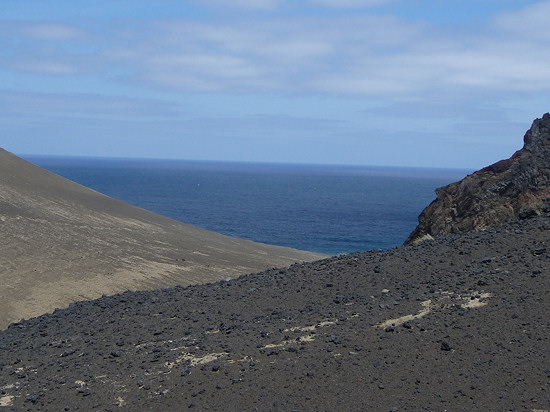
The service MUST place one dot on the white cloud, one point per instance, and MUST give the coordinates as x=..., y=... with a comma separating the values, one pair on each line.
x=45, y=66
x=41, y=31
x=52, y=31
x=271, y=54
x=270, y=5
x=530, y=23
x=352, y=4
x=244, y=4
x=359, y=54
x=34, y=106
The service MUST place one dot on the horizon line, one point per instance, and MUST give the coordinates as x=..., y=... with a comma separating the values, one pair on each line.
x=241, y=162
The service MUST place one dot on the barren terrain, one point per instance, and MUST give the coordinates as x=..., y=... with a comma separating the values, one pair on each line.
x=61, y=242
x=456, y=324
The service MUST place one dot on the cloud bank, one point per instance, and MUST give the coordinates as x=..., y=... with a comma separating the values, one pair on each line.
x=357, y=64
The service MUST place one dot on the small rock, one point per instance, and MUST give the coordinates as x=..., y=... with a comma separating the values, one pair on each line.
x=335, y=339
x=528, y=213
x=33, y=398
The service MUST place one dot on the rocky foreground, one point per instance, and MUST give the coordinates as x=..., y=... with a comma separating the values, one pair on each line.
x=456, y=324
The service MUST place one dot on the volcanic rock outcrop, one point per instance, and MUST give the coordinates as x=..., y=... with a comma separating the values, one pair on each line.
x=62, y=242
x=517, y=187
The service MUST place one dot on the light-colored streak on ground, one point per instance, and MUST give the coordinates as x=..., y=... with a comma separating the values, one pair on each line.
x=475, y=300
x=6, y=400
x=427, y=308
x=194, y=360
x=311, y=327
x=285, y=343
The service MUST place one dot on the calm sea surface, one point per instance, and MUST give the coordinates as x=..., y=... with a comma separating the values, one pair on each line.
x=329, y=209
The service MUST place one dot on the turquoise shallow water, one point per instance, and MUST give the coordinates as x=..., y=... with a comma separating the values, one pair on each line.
x=328, y=209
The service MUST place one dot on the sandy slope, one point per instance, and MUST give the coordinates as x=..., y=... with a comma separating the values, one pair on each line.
x=61, y=242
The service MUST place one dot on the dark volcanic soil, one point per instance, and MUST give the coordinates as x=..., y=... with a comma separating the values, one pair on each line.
x=305, y=338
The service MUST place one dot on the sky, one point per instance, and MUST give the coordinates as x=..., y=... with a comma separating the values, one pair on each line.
x=441, y=83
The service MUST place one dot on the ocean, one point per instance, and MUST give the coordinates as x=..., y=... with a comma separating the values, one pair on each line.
x=328, y=209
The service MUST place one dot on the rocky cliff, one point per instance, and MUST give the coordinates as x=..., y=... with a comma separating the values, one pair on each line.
x=518, y=187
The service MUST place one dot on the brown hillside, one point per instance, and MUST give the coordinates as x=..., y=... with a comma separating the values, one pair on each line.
x=61, y=242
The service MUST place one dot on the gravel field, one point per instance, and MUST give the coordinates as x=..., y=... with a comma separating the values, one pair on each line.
x=456, y=324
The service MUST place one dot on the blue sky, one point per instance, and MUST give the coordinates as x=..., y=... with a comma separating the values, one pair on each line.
x=439, y=83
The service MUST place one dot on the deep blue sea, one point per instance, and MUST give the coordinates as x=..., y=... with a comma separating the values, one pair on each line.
x=328, y=209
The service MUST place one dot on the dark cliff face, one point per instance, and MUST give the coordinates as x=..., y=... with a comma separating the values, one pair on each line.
x=512, y=188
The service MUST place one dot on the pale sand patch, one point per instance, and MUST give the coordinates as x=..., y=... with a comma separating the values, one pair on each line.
x=307, y=338
x=244, y=359
x=6, y=400
x=195, y=361
x=310, y=328
x=10, y=386
x=427, y=308
x=475, y=300
x=211, y=357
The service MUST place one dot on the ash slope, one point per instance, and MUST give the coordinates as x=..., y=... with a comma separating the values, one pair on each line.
x=459, y=323
x=62, y=242
x=511, y=188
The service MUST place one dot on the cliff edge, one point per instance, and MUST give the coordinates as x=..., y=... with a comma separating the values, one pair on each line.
x=518, y=187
